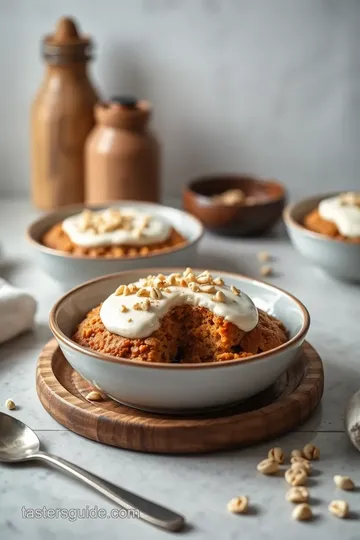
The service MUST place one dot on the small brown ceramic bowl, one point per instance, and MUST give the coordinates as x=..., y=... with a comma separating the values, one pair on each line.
x=266, y=201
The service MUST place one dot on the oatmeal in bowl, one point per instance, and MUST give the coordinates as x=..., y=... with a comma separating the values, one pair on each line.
x=75, y=244
x=179, y=339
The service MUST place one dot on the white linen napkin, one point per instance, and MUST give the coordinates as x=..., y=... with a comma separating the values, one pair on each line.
x=17, y=311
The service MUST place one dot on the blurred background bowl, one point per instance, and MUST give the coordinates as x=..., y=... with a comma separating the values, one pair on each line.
x=266, y=201
x=338, y=258
x=71, y=270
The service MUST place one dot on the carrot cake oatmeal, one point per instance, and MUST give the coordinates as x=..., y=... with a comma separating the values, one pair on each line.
x=337, y=217
x=113, y=232
x=183, y=318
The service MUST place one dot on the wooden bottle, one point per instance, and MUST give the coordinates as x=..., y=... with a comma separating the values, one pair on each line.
x=122, y=156
x=62, y=116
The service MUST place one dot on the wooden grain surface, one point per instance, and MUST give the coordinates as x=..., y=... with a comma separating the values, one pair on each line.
x=277, y=410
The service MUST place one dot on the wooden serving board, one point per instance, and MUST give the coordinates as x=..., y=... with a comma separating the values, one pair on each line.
x=277, y=410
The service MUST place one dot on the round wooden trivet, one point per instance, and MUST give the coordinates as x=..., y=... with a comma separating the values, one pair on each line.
x=280, y=408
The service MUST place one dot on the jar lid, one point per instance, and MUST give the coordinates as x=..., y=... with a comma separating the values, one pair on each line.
x=66, y=44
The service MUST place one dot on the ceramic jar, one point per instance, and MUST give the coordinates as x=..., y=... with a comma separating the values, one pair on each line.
x=61, y=118
x=122, y=156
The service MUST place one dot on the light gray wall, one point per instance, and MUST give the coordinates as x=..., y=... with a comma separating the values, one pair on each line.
x=265, y=86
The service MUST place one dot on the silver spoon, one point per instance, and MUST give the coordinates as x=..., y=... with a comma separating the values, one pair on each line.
x=19, y=443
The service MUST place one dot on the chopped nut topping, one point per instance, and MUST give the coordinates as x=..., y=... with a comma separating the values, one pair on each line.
x=276, y=454
x=234, y=290
x=123, y=289
x=171, y=279
x=10, y=404
x=219, y=297
x=190, y=278
x=302, y=512
x=130, y=320
x=339, y=509
x=105, y=221
x=132, y=288
x=137, y=306
x=143, y=292
x=94, y=396
x=311, y=451
x=137, y=233
x=351, y=198
x=203, y=280
x=297, y=494
x=187, y=271
x=268, y=466
x=238, y=505
x=218, y=281
x=194, y=287
x=123, y=308
x=296, y=477
x=344, y=482
x=155, y=293
x=145, y=305
x=209, y=289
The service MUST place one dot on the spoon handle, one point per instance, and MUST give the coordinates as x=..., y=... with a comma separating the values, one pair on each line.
x=148, y=511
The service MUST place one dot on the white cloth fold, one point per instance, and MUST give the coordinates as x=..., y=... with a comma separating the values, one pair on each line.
x=17, y=311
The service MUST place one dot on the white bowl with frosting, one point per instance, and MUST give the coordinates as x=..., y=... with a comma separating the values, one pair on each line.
x=344, y=211
x=71, y=270
x=172, y=387
x=336, y=257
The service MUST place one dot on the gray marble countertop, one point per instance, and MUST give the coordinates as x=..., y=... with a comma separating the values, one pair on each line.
x=197, y=486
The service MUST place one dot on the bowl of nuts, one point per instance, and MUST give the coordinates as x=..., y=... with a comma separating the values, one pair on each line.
x=235, y=205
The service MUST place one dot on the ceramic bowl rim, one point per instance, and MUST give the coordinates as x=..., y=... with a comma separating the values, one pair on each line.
x=290, y=221
x=57, y=253
x=236, y=176
x=60, y=336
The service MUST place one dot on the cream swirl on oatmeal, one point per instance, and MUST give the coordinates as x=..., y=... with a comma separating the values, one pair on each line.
x=135, y=310
x=344, y=211
x=115, y=226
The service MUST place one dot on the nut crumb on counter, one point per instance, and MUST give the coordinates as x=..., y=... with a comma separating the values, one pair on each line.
x=10, y=404
x=238, y=505
x=302, y=512
x=266, y=270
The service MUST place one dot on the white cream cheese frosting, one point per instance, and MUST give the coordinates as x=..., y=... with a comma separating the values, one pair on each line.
x=115, y=226
x=136, y=310
x=344, y=211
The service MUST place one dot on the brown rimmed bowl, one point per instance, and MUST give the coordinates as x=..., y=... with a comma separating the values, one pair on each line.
x=266, y=203
x=337, y=258
x=177, y=388
x=71, y=270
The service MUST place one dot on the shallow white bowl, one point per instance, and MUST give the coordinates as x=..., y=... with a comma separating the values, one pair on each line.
x=71, y=270
x=337, y=258
x=178, y=387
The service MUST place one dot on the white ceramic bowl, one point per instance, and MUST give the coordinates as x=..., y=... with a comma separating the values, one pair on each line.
x=178, y=387
x=337, y=258
x=71, y=270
